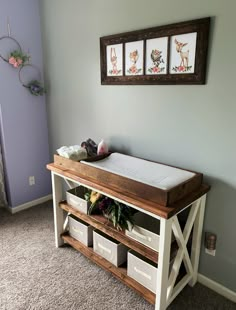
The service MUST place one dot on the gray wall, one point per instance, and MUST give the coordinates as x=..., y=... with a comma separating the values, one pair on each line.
x=188, y=126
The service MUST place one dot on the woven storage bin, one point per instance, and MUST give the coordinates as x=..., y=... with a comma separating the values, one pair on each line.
x=142, y=270
x=80, y=230
x=146, y=230
x=109, y=248
x=75, y=198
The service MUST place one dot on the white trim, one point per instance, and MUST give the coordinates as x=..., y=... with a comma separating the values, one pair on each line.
x=29, y=204
x=59, y=214
x=218, y=288
x=163, y=264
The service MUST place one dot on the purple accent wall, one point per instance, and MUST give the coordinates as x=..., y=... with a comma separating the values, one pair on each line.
x=24, y=133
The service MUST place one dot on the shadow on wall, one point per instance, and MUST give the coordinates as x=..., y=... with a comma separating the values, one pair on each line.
x=219, y=220
x=124, y=144
x=210, y=45
x=220, y=206
x=220, y=203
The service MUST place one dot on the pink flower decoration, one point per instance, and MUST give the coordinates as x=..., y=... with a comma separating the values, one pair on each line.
x=15, y=65
x=19, y=61
x=12, y=60
x=156, y=69
x=133, y=69
x=181, y=68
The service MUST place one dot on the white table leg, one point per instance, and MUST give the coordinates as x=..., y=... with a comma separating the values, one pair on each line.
x=58, y=212
x=163, y=264
x=196, y=241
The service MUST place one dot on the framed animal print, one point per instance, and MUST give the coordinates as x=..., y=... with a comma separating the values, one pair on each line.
x=134, y=58
x=114, y=60
x=156, y=56
x=183, y=53
x=170, y=54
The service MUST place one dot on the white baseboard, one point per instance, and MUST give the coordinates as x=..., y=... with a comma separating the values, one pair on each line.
x=218, y=288
x=29, y=204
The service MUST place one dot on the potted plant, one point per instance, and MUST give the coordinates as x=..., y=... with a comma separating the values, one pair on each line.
x=118, y=213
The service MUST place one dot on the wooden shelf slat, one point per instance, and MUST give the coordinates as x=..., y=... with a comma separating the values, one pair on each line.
x=119, y=272
x=101, y=223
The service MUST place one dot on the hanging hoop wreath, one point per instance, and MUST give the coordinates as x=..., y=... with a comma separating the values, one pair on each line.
x=16, y=58
x=35, y=87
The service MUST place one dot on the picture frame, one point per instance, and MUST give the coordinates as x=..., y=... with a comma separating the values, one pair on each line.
x=170, y=54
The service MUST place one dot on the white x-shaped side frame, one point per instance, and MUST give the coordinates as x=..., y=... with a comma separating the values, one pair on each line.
x=166, y=278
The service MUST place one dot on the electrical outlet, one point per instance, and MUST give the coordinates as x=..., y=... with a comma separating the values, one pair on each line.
x=210, y=252
x=210, y=243
x=31, y=180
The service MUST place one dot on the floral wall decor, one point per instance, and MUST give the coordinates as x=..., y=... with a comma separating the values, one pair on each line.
x=171, y=54
x=34, y=86
x=16, y=58
x=19, y=60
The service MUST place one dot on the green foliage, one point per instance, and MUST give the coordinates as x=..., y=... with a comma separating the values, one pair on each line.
x=87, y=196
x=92, y=208
x=120, y=215
x=18, y=54
x=36, y=88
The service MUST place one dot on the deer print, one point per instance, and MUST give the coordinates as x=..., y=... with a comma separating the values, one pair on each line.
x=183, y=55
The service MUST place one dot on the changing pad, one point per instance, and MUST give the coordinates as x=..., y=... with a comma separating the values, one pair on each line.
x=147, y=172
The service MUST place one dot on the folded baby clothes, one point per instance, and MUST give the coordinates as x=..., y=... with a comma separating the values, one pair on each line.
x=74, y=152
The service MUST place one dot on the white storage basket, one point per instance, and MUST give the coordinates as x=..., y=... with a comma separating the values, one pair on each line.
x=109, y=248
x=75, y=198
x=80, y=230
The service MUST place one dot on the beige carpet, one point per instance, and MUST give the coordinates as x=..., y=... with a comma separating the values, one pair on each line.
x=36, y=275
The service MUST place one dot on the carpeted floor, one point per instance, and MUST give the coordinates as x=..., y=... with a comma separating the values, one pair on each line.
x=34, y=275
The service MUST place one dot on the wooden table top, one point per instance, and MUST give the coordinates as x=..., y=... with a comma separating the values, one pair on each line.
x=149, y=206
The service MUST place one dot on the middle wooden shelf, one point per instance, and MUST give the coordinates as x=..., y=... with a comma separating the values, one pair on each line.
x=101, y=223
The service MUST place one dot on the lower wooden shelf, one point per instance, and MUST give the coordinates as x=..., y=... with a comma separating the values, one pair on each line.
x=119, y=272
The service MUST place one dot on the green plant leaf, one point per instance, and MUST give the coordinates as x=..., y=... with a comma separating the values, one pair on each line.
x=87, y=196
x=119, y=213
x=92, y=208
